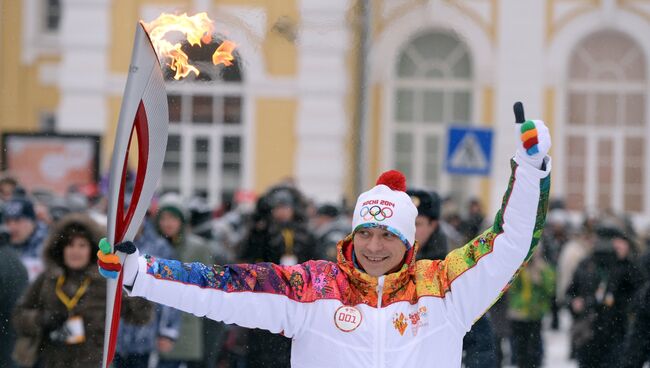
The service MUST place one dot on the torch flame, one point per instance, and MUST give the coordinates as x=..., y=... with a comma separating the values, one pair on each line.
x=197, y=30
x=223, y=55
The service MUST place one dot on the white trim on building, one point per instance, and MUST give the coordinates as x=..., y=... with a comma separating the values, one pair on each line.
x=322, y=122
x=83, y=72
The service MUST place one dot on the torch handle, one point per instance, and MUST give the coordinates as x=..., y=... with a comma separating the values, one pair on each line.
x=518, y=108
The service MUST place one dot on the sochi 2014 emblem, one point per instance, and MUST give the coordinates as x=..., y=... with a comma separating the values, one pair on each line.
x=375, y=212
x=347, y=318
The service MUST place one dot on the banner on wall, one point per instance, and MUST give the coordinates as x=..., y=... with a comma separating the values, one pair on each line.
x=51, y=161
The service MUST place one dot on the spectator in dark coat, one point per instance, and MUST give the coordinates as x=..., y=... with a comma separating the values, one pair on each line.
x=329, y=229
x=279, y=232
x=636, y=351
x=279, y=235
x=60, y=319
x=602, y=289
x=13, y=281
x=26, y=234
x=432, y=240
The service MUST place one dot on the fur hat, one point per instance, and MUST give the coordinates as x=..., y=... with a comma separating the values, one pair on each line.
x=427, y=203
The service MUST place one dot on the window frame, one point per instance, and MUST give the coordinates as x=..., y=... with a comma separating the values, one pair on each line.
x=214, y=131
x=594, y=134
x=423, y=129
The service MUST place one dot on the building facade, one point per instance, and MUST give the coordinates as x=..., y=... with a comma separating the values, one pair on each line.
x=288, y=109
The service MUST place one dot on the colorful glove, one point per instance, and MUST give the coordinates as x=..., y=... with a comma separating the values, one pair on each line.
x=109, y=263
x=535, y=142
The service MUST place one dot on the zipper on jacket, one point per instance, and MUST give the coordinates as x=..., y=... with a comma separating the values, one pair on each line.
x=381, y=331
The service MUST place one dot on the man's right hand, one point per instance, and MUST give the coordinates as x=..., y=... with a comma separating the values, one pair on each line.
x=110, y=265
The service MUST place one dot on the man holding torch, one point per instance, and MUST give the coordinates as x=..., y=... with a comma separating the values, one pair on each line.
x=376, y=306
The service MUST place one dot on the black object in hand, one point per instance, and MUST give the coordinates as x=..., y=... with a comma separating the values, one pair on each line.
x=518, y=108
x=126, y=247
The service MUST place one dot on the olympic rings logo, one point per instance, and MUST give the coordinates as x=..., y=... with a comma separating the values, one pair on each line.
x=375, y=212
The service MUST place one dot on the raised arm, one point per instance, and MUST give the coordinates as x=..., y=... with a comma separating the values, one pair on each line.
x=479, y=272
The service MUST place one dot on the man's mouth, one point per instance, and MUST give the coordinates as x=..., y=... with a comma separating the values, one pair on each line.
x=375, y=259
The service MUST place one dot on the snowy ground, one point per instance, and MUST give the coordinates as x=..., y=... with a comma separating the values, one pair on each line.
x=556, y=345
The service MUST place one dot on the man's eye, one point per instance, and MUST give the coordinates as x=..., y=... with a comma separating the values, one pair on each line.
x=389, y=235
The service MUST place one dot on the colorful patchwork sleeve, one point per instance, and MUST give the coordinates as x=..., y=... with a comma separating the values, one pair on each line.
x=478, y=273
x=262, y=295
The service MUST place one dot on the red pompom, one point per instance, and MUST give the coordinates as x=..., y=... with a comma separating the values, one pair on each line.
x=393, y=179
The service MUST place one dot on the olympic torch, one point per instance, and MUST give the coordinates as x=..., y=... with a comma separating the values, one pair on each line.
x=144, y=115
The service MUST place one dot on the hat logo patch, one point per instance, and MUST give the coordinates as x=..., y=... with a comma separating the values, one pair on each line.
x=347, y=318
x=375, y=212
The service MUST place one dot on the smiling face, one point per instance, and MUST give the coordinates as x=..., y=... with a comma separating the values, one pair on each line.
x=378, y=250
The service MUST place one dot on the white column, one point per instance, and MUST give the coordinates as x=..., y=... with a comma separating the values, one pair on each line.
x=519, y=77
x=84, y=36
x=322, y=127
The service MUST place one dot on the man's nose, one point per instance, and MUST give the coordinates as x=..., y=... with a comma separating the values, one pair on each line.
x=375, y=244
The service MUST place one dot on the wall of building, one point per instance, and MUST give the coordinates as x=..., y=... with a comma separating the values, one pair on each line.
x=300, y=76
x=25, y=85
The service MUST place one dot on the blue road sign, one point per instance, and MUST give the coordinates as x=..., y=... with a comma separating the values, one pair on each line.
x=469, y=150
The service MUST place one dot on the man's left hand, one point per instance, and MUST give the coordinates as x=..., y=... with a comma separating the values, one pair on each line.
x=534, y=142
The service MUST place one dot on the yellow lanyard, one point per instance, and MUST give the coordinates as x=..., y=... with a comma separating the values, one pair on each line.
x=287, y=234
x=70, y=303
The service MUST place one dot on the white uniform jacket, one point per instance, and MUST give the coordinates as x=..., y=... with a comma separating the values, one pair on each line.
x=339, y=316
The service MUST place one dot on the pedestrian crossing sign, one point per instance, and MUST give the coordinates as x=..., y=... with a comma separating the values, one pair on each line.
x=469, y=150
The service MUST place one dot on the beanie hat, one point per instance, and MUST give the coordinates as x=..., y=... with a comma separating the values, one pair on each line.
x=328, y=210
x=387, y=206
x=427, y=203
x=16, y=208
x=281, y=197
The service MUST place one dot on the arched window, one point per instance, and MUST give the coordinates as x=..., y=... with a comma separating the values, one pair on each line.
x=606, y=124
x=432, y=88
x=204, y=151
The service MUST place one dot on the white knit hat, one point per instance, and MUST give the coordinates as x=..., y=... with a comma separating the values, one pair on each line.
x=387, y=206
